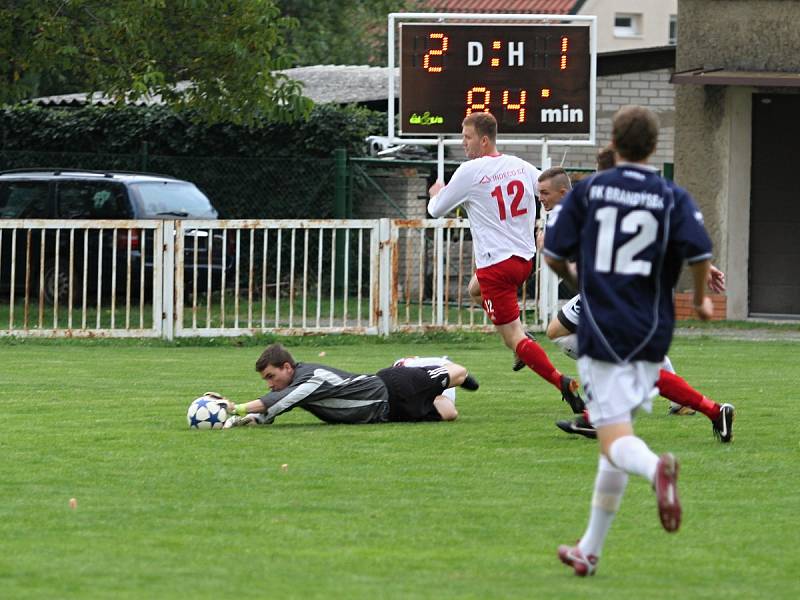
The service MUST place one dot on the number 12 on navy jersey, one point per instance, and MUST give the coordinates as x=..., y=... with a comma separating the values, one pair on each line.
x=514, y=191
x=608, y=256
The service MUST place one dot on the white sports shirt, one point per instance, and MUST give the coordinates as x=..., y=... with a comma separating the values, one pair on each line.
x=497, y=191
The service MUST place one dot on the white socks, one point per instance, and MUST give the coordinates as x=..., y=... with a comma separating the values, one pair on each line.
x=609, y=486
x=632, y=455
x=629, y=454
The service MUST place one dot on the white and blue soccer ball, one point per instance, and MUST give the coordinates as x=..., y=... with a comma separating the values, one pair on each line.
x=206, y=412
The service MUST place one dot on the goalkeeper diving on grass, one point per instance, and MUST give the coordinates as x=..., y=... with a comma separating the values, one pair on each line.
x=413, y=389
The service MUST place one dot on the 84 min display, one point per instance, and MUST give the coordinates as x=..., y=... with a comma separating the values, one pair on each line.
x=532, y=78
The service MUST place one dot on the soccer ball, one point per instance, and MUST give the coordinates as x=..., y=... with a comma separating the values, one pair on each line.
x=206, y=413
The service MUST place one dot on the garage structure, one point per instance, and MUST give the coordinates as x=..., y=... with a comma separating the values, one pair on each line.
x=736, y=136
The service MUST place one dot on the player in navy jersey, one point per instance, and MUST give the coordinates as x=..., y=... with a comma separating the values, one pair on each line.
x=554, y=184
x=497, y=191
x=631, y=230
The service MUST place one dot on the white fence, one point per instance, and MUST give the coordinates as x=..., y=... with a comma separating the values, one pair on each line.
x=193, y=278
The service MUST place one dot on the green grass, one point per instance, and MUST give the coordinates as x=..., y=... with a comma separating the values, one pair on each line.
x=471, y=509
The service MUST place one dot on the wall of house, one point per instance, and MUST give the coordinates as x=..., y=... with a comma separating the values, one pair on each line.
x=713, y=132
x=655, y=22
x=648, y=88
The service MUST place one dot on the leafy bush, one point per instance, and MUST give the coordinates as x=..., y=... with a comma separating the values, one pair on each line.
x=123, y=129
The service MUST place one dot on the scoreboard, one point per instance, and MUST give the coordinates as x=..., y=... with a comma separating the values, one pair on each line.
x=535, y=79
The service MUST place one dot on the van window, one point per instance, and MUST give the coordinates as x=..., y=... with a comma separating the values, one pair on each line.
x=92, y=200
x=173, y=198
x=23, y=200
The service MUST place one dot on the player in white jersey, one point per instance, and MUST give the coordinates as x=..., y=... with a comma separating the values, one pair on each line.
x=497, y=191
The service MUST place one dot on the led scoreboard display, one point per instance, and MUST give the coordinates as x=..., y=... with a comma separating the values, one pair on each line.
x=532, y=78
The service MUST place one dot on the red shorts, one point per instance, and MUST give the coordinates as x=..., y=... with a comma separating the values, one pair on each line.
x=499, y=284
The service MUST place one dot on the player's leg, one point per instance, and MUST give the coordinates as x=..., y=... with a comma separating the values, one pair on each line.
x=519, y=364
x=675, y=389
x=499, y=284
x=563, y=328
x=674, y=407
x=460, y=377
x=445, y=407
x=474, y=290
x=580, y=425
x=614, y=393
x=534, y=356
x=417, y=393
x=620, y=388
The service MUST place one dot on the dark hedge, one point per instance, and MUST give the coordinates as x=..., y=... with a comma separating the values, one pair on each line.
x=123, y=129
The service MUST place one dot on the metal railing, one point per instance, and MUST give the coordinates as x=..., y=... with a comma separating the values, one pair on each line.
x=147, y=278
x=81, y=277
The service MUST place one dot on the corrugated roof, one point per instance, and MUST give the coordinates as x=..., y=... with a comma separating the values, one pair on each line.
x=98, y=98
x=342, y=84
x=544, y=7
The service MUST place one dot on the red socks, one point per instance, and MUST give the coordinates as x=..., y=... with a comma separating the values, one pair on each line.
x=676, y=389
x=533, y=355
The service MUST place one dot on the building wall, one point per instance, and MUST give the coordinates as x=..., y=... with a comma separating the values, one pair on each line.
x=648, y=88
x=713, y=131
x=655, y=22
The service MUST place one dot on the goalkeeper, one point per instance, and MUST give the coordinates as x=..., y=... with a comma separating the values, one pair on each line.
x=332, y=395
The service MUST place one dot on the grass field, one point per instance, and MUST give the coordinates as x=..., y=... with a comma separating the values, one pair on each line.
x=471, y=509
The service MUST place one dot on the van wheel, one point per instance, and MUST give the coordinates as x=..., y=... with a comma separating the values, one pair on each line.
x=61, y=285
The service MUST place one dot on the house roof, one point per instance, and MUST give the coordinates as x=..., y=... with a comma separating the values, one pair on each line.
x=541, y=7
x=341, y=84
x=718, y=76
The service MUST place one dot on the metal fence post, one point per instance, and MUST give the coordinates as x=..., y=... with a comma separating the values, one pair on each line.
x=438, y=240
x=340, y=182
x=168, y=279
x=340, y=211
x=386, y=282
x=548, y=292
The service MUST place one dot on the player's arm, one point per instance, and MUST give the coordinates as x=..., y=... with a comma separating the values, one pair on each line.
x=244, y=408
x=703, y=305
x=716, y=280
x=241, y=409
x=445, y=198
x=277, y=402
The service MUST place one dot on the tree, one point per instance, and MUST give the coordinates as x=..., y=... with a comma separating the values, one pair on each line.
x=227, y=51
x=346, y=32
